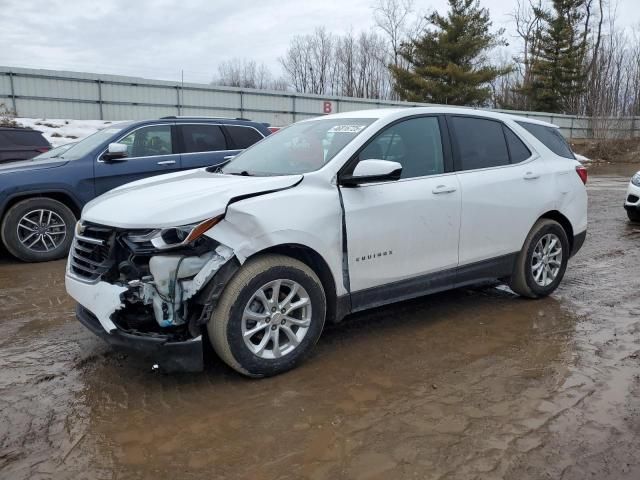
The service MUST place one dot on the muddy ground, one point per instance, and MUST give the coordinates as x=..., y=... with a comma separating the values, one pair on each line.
x=474, y=383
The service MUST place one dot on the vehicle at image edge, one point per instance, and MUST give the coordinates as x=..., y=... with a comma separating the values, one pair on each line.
x=632, y=200
x=40, y=199
x=21, y=144
x=329, y=216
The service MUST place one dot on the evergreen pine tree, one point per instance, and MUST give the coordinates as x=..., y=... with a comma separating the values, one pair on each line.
x=447, y=63
x=557, y=70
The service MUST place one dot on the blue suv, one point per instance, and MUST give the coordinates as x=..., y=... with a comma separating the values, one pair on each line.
x=40, y=200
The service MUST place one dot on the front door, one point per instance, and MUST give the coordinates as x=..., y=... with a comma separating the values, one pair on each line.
x=150, y=151
x=403, y=235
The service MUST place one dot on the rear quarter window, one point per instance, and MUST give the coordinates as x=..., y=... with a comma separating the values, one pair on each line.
x=518, y=151
x=243, y=137
x=550, y=137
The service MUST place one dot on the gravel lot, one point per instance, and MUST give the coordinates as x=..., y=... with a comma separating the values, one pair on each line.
x=474, y=383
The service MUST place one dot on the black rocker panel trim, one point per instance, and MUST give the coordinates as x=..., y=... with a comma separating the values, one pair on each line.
x=493, y=268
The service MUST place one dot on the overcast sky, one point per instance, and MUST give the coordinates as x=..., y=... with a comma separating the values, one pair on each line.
x=159, y=38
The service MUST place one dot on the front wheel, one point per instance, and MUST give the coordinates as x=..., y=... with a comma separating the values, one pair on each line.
x=634, y=215
x=38, y=229
x=542, y=261
x=269, y=316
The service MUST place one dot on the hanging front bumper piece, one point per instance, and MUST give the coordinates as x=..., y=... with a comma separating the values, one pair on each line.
x=162, y=351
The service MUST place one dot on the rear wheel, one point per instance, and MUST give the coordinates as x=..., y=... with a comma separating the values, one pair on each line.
x=541, y=263
x=269, y=316
x=634, y=215
x=38, y=230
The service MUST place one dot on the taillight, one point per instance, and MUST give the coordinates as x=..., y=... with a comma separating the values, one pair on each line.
x=582, y=173
x=274, y=129
x=43, y=149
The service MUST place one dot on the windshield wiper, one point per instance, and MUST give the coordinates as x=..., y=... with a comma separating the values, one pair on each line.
x=243, y=173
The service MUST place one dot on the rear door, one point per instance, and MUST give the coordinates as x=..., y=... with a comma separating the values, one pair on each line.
x=504, y=188
x=151, y=150
x=203, y=145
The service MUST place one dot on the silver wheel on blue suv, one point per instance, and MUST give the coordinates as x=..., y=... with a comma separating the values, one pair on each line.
x=38, y=229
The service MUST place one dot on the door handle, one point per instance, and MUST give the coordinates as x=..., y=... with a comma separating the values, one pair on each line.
x=531, y=176
x=167, y=162
x=443, y=189
x=229, y=157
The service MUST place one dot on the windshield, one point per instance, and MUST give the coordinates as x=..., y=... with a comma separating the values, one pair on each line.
x=54, y=152
x=85, y=146
x=301, y=148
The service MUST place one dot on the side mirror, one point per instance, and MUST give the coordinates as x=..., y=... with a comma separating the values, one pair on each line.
x=116, y=152
x=372, y=171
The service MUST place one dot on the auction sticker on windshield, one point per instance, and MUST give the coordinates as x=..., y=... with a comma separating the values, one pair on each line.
x=347, y=129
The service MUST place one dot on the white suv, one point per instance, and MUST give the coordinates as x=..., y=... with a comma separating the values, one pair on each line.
x=632, y=200
x=329, y=216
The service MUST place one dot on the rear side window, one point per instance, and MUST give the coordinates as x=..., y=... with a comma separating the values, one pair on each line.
x=517, y=150
x=203, y=138
x=550, y=137
x=481, y=143
x=23, y=138
x=243, y=137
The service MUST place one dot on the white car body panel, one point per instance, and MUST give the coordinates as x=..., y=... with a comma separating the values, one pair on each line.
x=376, y=214
x=287, y=218
x=499, y=207
x=176, y=199
x=632, y=190
x=102, y=298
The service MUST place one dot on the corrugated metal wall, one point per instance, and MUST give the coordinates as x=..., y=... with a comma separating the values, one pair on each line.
x=59, y=94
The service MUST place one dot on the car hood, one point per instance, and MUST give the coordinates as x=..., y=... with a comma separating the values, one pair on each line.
x=22, y=165
x=177, y=199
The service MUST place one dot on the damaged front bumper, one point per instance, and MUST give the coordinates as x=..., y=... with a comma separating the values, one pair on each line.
x=161, y=350
x=148, y=302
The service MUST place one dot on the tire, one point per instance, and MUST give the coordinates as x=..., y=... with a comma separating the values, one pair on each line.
x=57, y=233
x=523, y=281
x=228, y=320
x=634, y=215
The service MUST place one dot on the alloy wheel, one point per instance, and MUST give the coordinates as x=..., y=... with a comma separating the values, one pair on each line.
x=547, y=259
x=41, y=230
x=276, y=319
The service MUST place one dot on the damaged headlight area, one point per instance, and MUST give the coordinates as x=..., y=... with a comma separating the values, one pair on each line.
x=159, y=272
x=174, y=237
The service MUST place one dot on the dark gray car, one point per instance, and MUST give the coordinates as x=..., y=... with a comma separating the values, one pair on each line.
x=21, y=144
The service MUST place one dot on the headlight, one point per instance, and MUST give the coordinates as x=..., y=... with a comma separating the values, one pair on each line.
x=636, y=179
x=173, y=237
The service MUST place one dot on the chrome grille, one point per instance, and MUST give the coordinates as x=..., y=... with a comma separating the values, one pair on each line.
x=91, y=251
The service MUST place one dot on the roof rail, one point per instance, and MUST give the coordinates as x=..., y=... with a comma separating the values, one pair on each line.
x=204, y=117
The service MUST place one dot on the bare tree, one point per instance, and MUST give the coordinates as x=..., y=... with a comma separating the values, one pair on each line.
x=246, y=73
x=393, y=17
x=308, y=62
x=349, y=65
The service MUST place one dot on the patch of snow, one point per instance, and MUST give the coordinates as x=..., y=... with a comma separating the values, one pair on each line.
x=60, y=131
